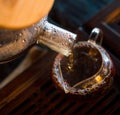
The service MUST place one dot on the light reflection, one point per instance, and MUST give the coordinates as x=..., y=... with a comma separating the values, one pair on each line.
x=98, y=78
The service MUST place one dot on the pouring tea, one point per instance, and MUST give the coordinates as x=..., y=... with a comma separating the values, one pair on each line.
x=88, y=71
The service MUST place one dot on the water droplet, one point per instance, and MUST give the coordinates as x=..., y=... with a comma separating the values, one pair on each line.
x=23, y=40
x=37, y=42
x=55, y=30
x=35, y=28
x=20, y=34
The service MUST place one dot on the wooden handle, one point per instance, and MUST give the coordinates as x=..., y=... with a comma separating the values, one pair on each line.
x=16, y=14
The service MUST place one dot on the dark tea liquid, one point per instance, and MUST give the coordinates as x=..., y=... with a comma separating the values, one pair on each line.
x=87, y=73
x=83, y=63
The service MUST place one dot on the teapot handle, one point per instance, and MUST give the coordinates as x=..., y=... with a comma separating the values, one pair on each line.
x=96, y=36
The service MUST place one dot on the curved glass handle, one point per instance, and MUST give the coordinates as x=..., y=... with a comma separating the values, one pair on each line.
x=96, y=36
x=56, y=38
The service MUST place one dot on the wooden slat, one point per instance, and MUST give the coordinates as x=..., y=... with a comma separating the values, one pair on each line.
x=73, y=108
x=102, y=104
x=36, y=73
x=32, y=99
x=114, y=108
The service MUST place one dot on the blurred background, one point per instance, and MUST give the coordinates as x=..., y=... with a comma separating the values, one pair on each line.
x=73, y=13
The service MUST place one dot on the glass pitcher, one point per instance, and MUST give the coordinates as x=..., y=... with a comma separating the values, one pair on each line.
x=88, y=72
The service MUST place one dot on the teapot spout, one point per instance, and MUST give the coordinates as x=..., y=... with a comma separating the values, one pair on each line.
x=56, y=38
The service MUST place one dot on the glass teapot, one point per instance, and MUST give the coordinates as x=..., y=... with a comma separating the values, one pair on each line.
x=18, y=32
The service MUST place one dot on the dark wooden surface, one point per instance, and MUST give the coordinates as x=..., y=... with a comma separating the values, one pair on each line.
x=72, y=14
x=33, y=92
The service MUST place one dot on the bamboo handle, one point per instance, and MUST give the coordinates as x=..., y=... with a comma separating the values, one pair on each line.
x=16, y=14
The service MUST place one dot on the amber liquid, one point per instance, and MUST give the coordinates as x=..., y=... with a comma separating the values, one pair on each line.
x=83, y=63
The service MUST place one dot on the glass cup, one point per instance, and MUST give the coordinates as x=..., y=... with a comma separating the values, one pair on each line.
x=88, y=71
